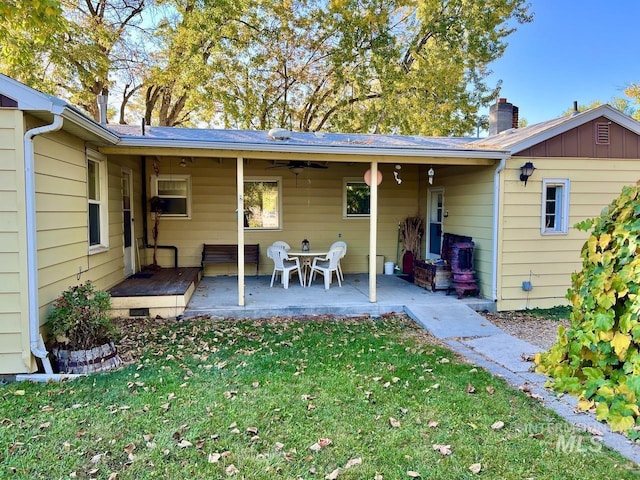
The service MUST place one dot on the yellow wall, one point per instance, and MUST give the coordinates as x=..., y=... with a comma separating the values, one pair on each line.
x=62, y=237
x=312, y=209
x=468, y=200
x=548, y=260
x=14, y=301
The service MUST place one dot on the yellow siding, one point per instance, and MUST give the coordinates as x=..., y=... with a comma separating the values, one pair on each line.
x=548, y=260
x=312, y=209
x=61, y=204
x=14, y=323
x=468, y=199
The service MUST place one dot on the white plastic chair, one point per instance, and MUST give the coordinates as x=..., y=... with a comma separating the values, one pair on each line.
x=280, y=243
x=344, y=252
x=326, y=266
x=284, y=265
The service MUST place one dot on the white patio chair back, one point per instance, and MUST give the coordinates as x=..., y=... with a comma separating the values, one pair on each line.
x=280, y=243
x=342, y=244
x=326, y=266
x=284, y=265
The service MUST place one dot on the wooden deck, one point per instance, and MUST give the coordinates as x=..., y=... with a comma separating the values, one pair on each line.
x=150, y=293
x=166, y=281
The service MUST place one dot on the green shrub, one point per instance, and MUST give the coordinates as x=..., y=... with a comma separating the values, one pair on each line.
x=598, y=357
x=79, y=319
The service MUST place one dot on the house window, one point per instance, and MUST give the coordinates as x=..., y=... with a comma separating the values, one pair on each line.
x=555, y=206
x=174, y=193
x=356, y=198
x=97, y=202
x=262, y=203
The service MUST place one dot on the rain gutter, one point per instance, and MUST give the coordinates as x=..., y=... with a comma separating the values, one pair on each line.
x=413, y=150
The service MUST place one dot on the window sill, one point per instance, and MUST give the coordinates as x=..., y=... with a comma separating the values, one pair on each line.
x=98, y=249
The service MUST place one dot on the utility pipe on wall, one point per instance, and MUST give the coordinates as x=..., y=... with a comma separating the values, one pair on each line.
x=37, y=349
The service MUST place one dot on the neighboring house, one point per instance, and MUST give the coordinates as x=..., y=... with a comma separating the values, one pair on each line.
x=70, y=189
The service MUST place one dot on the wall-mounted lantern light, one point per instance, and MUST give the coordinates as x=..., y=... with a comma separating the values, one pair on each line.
x=526, y=171
x=431, y=173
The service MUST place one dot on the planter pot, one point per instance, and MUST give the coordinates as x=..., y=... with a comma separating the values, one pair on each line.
x=407, y=263
x=97, y=359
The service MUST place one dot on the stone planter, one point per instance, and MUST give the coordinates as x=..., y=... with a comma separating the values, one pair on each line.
x=97, y=359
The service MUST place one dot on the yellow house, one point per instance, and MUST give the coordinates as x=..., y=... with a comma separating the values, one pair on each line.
x=76, y=196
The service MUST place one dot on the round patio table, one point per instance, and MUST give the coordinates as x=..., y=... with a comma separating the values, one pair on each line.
x=306, y=260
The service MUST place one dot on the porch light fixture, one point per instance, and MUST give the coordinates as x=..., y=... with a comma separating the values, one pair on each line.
x=526, y=171
x=431, y=173
x=183, y=163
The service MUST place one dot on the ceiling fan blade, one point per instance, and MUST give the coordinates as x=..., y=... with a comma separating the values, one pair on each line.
x=316, y=165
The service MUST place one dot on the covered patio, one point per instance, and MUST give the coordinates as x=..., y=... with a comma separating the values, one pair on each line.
x=216, y=296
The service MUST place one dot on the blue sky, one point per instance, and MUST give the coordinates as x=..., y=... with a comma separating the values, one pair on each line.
x=582, y=50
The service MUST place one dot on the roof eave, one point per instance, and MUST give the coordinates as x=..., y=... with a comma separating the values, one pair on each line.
x=138, y=142
x=575, y=121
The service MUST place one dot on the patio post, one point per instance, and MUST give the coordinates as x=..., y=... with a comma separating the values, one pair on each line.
x=240, y=220
x=373, y=231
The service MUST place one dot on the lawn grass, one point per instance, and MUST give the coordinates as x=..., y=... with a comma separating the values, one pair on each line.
x=284, y=398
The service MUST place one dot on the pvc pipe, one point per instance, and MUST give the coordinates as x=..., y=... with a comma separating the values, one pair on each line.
x=496, y=223
x=37, y=349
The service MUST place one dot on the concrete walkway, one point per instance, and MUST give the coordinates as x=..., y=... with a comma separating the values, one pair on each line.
x=471, y=335
x=454, y=321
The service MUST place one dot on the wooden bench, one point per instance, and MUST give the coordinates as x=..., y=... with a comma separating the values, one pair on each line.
x=229, y=254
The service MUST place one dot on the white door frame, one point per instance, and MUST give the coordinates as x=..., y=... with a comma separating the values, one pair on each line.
x=432, y=214
x=128, y=252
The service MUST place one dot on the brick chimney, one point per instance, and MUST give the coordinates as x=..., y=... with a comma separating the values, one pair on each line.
x=502, y=116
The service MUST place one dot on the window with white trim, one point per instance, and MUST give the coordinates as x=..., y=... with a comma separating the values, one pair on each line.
x=356, y=198
x=97, y=202
x=174, y=194
x=555, y=206
x=263, y=203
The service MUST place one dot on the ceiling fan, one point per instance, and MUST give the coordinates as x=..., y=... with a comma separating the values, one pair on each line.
x=297, y=166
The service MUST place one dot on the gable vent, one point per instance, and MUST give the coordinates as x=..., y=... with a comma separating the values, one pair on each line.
x=602, y=133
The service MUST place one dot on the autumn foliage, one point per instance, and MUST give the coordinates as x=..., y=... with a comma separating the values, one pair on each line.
x=598, y=357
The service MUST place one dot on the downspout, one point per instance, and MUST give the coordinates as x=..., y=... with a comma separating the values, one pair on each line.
x=496, y=223
x=37, y=349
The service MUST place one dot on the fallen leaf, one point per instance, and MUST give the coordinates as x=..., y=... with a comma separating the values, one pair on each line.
x=113, y=476
x=471, y=388
x=432, y=424
x=594, y=431
x=475, y=468
x=185, y=443
x=148, y=437
x=231, y=470
x=378, y=476
x=491, y=390
x=353, y=462
x=279, y=446
x=252, y=430
x=324, y=442
x=499, y=425
x=214, y=457
x=394, y=423
x=129, y=448
x=443, y=449
x=19, y=393
x=333, y=475
x=413, y=474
